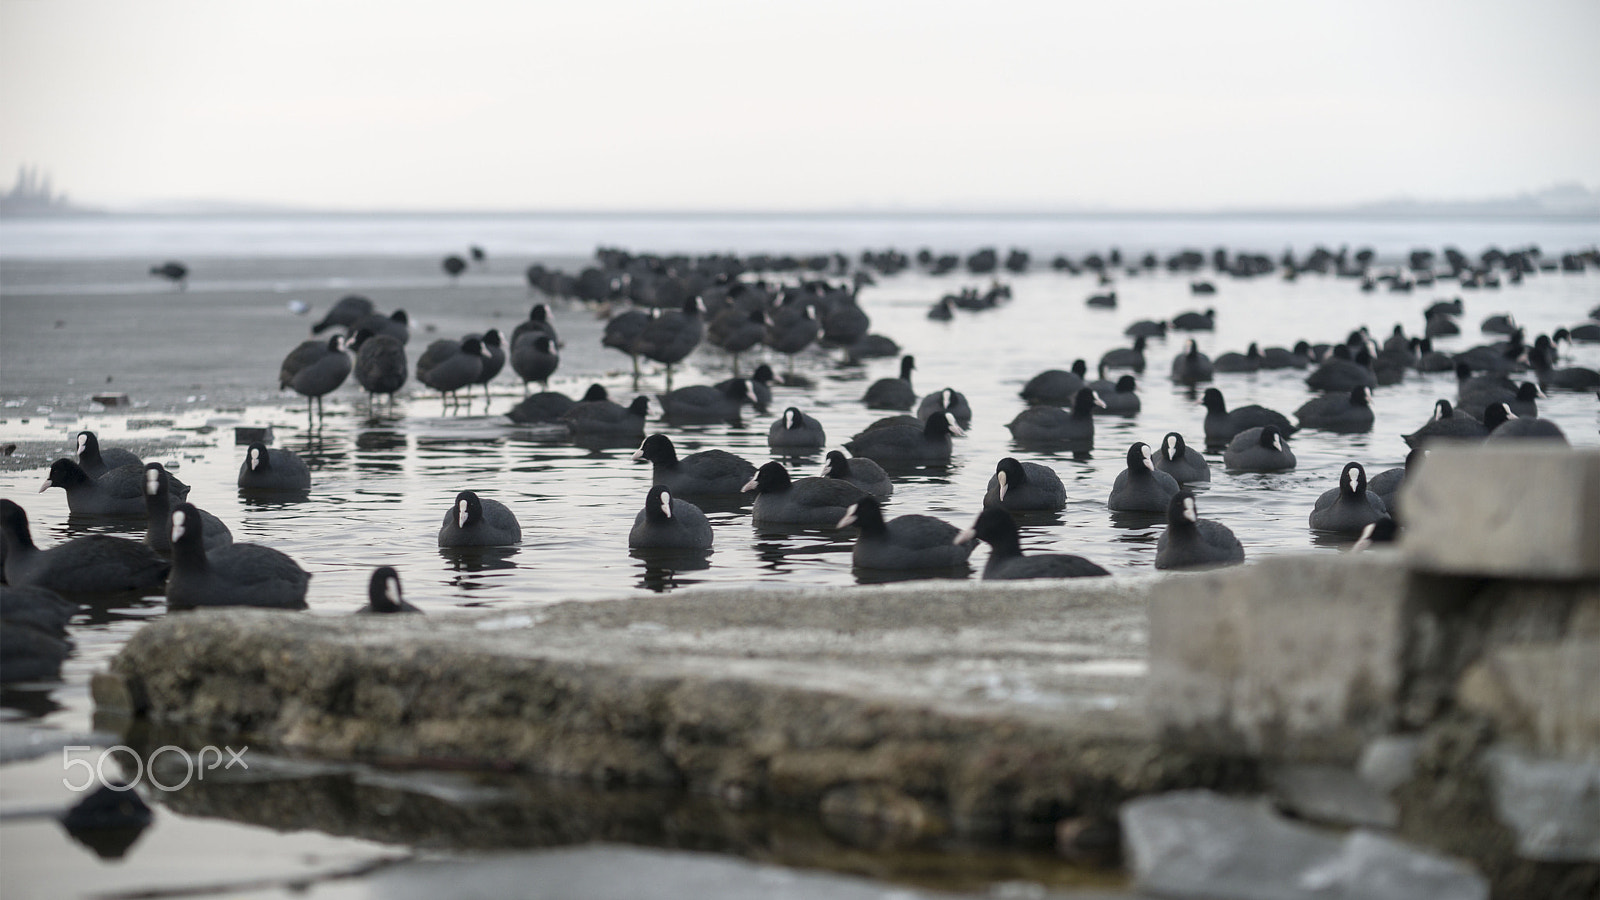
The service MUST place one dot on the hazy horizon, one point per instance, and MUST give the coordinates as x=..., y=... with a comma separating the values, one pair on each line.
x=880, y=108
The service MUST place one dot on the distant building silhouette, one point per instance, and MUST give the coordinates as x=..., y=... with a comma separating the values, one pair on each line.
x=34, y=195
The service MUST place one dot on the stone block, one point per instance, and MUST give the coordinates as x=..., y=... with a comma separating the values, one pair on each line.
x=1297, y=657
x=1541, y=695
x=1527, y=511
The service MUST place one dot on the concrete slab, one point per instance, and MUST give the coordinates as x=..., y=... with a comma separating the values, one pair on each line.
x=973, y=708
x=1525, y=510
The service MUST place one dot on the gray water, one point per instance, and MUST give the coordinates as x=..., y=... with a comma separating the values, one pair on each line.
x=383, y=481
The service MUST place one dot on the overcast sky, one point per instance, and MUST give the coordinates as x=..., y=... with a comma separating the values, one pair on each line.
x=610, y=104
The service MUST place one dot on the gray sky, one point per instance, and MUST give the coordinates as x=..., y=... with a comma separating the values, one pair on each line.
x=614, y=104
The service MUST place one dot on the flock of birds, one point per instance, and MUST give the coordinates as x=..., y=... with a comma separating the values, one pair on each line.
x=663, y=308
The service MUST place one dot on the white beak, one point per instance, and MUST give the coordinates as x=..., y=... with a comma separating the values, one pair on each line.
x=966, y=536
x=461, y=514
x=849, y=517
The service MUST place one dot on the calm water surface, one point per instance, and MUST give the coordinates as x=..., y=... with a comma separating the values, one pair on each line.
x=382, y=482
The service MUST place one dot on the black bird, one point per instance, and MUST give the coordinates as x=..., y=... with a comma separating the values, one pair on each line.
x=173, y=271
x=1447, y=423
x=859, y=471
x=383, y=594
x=548, y=407
x=602, y=421
x=1141, y=487
x=1280, y=358
x=1503, y=423
x=998, y=529
x=1191, y=542
x=534, y=358
x=667, y=523
x=1344, y=413
x=1018, y=485
x=758, y=386
x=1186, y=466
x=736, y=329
x=315, y=369
x=810, y=501
x=538, y=321
x=474, y=521
x=1222, y=424
x=622, y=333
x=1259, y=449
x=453, y=266
x=158, y=501
x=235, y=575
x=704, y=404
x=1386, y=484
x=1056, y=387
x=1125, y=357
x=795, y=430
x=1195, y=321
x=350, y=309
x=948, y=400
x=1248, y=361
x=908, y=443
x=1120, y=398
x=272, y=469
x=119, y=492
x=904, y=542
x=1191, y=366
x=93, y=564
x=1350, y=507
x=893, y=393
x=33, y=634
x=396, y=324
x=494, y=345
x=97, y=461
x=448, y=366
x=672, y=336
x=707, y=473
x=380, y=364
x=1341, y=373
x=1051, y=426
x=791, y=328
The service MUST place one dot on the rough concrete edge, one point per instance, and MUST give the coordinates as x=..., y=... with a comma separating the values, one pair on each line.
x=625, y=724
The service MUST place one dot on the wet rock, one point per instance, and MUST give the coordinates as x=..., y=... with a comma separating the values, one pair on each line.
x=1535, y=509
x=1553, y=806
x=1202, y=845
x=1331, y=794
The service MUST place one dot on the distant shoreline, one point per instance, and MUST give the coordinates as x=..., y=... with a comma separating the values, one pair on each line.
x=1421, y=213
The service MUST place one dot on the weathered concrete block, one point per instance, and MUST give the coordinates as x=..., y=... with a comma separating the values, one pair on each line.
x=1298, y=657
x=1542, y=695
x=1518, y=511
